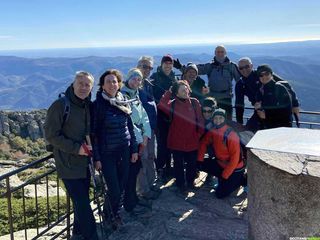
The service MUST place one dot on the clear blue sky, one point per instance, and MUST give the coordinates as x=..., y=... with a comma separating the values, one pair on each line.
x=38, y=24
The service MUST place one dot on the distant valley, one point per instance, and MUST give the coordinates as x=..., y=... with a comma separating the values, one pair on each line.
x=33, y=83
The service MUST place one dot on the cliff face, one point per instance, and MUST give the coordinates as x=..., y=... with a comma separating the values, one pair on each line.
x=22, y=123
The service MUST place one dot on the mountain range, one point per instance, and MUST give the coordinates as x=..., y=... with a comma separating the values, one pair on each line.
x=34, y=82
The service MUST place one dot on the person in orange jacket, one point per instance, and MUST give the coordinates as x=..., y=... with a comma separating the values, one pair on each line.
x=228, y=165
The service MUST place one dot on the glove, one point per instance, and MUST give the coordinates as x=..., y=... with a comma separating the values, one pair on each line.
x=177, y=64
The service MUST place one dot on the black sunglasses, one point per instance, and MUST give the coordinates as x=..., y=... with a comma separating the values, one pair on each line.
x=147, y=67
x=264, y=74
x=207, y=111
x=244, y=67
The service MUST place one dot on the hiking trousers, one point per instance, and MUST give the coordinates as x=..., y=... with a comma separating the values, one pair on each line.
x=84, y=222
x=225, y=186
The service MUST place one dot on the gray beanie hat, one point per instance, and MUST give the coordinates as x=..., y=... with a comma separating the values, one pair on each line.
x=189, y=66
x=220, y=112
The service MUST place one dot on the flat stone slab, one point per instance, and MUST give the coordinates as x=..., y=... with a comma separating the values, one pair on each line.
x=289, y=140
x=296, y=164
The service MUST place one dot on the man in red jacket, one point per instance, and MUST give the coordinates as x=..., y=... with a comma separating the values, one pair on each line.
x=228, y=165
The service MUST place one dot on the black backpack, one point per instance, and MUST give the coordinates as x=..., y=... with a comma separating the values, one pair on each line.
x=66, y=113
x=291, y=94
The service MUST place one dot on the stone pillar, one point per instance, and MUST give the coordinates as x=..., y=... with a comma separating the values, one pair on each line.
x=284, y=195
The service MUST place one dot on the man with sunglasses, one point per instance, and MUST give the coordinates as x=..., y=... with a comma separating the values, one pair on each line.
x=249, y=86
x=147, y=175
x=274, y=107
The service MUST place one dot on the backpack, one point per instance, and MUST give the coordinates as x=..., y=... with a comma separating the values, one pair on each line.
x=66, y=114
x=292, y=96
x=244, y=138
x=194, y=109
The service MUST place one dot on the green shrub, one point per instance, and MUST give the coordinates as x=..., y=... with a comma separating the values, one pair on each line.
x=17, y=208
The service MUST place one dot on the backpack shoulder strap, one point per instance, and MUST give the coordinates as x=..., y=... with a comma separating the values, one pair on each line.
x=193, y=102
x=66, y=111
x=226, y=135
x=173, y=103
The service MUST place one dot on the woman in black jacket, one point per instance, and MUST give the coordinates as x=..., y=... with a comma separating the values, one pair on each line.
x=114, y=140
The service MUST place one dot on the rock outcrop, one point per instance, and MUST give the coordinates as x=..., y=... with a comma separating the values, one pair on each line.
x=26, y=124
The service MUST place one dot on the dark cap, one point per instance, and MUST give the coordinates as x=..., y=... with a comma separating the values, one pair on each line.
x=167, y=58
x=220, y=112
x=264, y=68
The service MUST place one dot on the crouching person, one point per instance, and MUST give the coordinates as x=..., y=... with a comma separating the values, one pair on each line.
x=115, y=144
x=228, y=165
x=66, y=130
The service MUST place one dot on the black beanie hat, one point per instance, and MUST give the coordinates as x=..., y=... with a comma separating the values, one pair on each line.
x=264, y=68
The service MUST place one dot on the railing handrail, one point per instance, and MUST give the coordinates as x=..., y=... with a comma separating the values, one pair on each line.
x=29, y=165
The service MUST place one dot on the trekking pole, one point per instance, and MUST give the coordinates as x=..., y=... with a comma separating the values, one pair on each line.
x=107, y=200
x=96, y=195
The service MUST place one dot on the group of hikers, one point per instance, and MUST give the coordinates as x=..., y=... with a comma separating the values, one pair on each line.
x=142, y=126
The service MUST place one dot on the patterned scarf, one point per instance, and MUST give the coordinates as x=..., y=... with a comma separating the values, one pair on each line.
x=119, y=101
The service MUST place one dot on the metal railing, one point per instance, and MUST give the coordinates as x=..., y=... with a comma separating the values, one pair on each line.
x=63, y=206
x=303, y=114
x=62, y=203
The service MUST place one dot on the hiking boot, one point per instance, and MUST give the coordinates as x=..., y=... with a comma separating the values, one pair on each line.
x=181, y=190
x=191, y=186
x=118, y=220
x=145, y=202
x=140, y=211
x=77, y=237
x=151, y=195
x=155, y=188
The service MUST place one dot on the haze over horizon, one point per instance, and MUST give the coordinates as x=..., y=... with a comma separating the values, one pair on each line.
x=72, y=24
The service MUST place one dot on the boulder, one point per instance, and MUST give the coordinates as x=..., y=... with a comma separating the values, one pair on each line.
x=284, y=192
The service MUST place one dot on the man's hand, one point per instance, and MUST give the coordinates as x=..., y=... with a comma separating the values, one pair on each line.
x=84, y=150
x=177, y=64
x=98, y=165
x=296, y=110
x=134, y=157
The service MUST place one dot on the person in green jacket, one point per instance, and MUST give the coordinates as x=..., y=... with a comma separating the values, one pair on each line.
x=67, y=138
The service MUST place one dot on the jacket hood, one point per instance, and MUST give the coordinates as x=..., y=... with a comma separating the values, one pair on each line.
x=74, y=99
x=171, y=74
x=131, y=92
x=215, y=62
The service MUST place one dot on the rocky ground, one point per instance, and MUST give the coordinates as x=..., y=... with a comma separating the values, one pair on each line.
x=198, y=215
